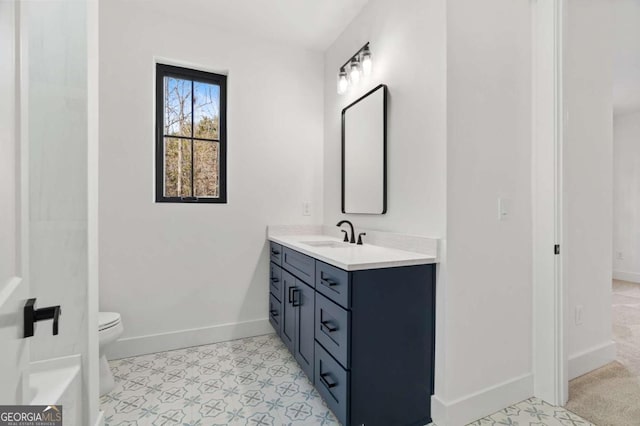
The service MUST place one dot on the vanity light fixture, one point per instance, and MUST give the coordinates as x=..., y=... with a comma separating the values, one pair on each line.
x=343, y=83
x=366, y=60
x=354, y=75
x=351, y=71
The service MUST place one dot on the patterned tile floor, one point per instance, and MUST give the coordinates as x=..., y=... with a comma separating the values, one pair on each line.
x=532, y=412
x=254, y=382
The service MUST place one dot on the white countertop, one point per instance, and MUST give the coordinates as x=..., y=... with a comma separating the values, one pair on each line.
x=352, y=257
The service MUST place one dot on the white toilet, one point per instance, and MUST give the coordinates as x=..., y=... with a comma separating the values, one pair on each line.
x=109, y=330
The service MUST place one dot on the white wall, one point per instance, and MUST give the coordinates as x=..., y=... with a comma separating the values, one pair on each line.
x=408, y=46
x=459, y=137
x=626, y=71
x=588, y=182
x=174, y=267
x=626, y=196
x=488, y=318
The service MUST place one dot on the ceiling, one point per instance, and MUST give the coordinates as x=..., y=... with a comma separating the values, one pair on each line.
x=313, y=24
x=626, y=72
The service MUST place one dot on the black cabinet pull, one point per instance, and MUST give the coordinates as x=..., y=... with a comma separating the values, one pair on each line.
x=327, y=281
x=291, y=290
x=298, y=302
x=275, y=280
x=275, y=252
x=327, y=326
x=274, y=313
x=328, y=384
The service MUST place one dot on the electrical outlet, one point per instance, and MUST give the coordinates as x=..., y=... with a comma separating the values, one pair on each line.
x=578, y=314
x=306, y=208
x=619, y=255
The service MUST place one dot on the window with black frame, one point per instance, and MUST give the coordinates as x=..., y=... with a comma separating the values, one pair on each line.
x=190, y=135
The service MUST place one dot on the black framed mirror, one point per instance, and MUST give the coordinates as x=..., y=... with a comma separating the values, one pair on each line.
x=364, y=154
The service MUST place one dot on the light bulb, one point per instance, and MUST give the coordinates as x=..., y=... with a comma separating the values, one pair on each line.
x=343, y=83
x=367, y=64
x=355, y=71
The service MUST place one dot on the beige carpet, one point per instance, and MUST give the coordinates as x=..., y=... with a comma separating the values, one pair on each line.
x=610, y=396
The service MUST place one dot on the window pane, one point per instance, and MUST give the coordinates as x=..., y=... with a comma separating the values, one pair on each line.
x=207, y=170
x=207, y=110
x=177, y=167
x=177, y=107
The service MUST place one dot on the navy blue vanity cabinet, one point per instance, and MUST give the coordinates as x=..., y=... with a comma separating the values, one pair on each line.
x=276, y=289
x=365, y=338
x=297, y=320
x=304, y=345
x=288, y=311
x=276, y=253
x=275, y=312
x=275, y=281
x=392, y=346
x=300, y=265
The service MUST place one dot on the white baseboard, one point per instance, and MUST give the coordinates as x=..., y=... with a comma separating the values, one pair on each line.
x=634, y=277
x=481, y=404
x=141, y=345
x=591, y=359
x=55, y=363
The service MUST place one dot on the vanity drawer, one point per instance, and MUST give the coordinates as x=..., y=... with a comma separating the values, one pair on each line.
x=332, y=329
x=298, y=264
x=275, y=313
x=332, y=383
x=333, y=283
x=276, y=253
x=275, y=281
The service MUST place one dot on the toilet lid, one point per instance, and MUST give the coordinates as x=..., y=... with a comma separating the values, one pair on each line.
x=107, y=320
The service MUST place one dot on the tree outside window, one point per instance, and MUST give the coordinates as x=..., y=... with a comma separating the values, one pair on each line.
x=191, y=139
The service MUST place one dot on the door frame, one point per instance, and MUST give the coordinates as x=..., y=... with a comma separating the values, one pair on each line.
x=550, y=359
x=94, y=415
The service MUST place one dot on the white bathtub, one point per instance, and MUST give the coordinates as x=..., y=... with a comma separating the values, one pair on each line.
x=58, y=381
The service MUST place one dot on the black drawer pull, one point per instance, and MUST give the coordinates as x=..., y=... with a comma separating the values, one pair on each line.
x=294, y=292
x=327, y=326
x=274, y=313
x=328, y=282
x=275, y=252
x=275, y=280
x=291, y=290
x=328, y=384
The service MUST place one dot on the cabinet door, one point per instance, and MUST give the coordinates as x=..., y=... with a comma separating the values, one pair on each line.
x=304, y=301
x=288, y=311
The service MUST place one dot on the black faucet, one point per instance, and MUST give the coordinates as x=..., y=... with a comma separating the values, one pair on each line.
x=353, y=233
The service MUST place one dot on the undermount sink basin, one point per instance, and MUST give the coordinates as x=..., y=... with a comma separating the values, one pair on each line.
x=327, y=244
